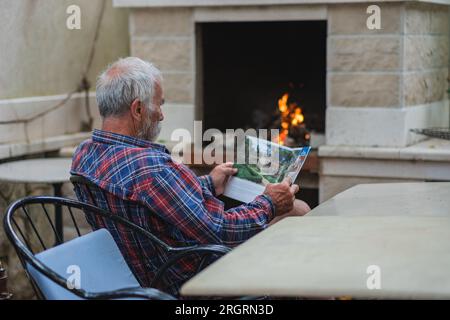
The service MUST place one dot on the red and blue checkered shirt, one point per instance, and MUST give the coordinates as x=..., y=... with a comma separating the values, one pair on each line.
x=186, y=211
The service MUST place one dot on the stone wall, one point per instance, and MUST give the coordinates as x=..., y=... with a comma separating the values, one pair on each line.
x=167, y=38
x=395, y=76
x=426, y=52
x=41, y=57
x=381, y=84
x=42, y=60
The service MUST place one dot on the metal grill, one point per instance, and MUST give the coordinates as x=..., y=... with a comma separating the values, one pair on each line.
x=441, y=133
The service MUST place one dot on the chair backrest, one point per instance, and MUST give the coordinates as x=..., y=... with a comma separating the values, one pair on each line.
x=103, y=270
x=149, y=249
x=89, y=192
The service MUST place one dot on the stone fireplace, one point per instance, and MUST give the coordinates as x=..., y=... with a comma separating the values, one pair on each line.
x=246, y=67
x=370, y=86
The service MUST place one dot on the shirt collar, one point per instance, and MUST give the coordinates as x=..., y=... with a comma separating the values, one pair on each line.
x=116, y=138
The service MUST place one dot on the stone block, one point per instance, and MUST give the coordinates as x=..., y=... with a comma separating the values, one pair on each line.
x=179, y=87
x=363, y=53
x=425, y=52
x=161, y=22
x=13, y=132
x=364, y=90
x=167, y=54
x=352, y=18
x=421, y=18
x=177, y=116
x=425, y=87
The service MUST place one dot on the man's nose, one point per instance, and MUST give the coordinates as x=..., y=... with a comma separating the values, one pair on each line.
x=161, y=116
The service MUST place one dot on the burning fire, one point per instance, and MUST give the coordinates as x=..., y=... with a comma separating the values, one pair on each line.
x=291, y=116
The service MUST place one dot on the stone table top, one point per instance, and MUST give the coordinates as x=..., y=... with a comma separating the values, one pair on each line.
x=45, y=170
x=336, y=256
x=389, y=199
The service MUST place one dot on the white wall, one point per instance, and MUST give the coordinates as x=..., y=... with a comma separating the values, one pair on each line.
x=40, y=56
x=41, y=60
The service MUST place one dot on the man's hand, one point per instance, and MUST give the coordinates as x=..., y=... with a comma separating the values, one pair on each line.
x=220, y=175
x=282, y=195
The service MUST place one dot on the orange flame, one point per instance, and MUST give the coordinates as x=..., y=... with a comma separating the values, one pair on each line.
x=291, y=115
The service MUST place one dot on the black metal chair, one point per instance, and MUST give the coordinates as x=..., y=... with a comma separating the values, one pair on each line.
x=31, y=231
x=89, y=192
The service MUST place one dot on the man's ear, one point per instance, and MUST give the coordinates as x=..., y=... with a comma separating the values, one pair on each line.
x=136, y=109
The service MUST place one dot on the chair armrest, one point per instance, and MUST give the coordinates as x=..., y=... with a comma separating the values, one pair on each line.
x=145, y=293
x=207, y=249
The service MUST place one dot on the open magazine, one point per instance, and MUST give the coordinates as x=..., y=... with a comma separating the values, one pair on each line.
x=263, y=162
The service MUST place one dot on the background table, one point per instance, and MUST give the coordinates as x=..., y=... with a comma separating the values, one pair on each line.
x=329, y=257
x=388, y=199
x=54, y=171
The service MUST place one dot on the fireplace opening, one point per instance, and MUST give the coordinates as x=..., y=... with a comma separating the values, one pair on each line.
x=266, y=75
x=248, y=68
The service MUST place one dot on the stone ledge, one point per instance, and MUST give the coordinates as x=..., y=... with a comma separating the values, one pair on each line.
x=382, y=168
x=428, y=150
x=49, y=144
x=367, y=191
x=222, y=3
x=161, y=22
x=272, y=13
x=360, y=126
x=66, y=119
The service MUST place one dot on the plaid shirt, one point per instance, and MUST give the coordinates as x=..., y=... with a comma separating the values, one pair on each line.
x=186, y=209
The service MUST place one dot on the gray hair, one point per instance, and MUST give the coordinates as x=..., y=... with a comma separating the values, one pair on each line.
x=124, y=81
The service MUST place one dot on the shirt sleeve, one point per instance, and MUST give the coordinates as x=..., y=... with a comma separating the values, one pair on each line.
x=207, y=182
x=180, y=198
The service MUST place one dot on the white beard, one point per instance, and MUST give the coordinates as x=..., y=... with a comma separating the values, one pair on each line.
x=150, y=131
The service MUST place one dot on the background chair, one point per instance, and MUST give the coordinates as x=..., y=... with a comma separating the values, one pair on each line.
x=90, y=193
x=91, y=263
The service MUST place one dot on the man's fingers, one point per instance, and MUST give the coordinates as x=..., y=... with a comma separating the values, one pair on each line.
x=294, y=188
x=287, y=181
x=230, y=171
x=228, y=164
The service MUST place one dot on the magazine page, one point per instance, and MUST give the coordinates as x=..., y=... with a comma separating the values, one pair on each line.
x=264, y=162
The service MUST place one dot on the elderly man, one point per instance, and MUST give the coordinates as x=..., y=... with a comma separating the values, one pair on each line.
x=123, y=160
